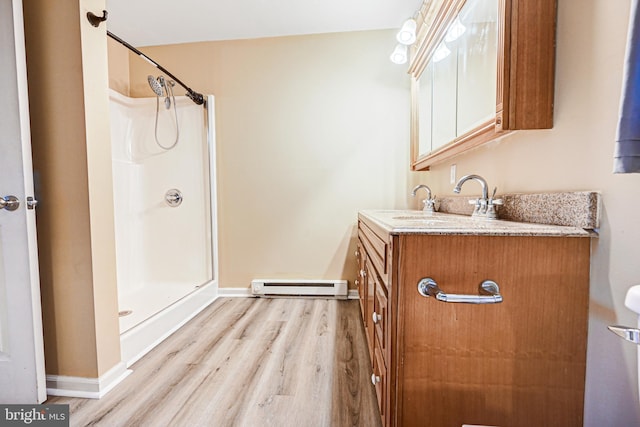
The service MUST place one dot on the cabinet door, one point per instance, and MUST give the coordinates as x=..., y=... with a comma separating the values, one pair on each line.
x=379, y=380
x=517, y=363
x=444, y=89
x=370, y=273
x=361, y=279
x=380, y=317
x=477, y=61
x=423, y=109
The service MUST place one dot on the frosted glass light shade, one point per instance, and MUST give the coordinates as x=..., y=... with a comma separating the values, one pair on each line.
x=407, y=34
x=441, y=52
x=455, y=31
x=399, y=54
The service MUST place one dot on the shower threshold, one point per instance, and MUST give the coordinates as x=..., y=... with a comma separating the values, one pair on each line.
x=142, y=334
x=149, y=300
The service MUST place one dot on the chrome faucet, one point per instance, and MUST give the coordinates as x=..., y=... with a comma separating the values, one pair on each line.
x=428, y=204
x=486, y=206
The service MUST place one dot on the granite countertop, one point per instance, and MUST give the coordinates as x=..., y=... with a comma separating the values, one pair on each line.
x=418, y=222
x=574, y=209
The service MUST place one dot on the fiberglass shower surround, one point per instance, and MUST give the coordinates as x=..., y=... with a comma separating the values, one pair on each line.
x=163, y=250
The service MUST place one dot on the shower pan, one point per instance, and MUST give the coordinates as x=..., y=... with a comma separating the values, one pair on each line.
x=165, y=204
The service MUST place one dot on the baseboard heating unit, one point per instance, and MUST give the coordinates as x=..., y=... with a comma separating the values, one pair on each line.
x=299, y=288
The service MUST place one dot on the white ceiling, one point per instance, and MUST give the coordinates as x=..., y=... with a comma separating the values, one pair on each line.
x=158, y=22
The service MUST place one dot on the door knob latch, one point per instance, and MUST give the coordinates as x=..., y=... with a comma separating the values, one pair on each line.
x=31, y=203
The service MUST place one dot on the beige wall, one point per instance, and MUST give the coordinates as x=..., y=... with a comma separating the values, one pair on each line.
x=310, y=130
x=577, y=155
x=118, y=66
x=67, y=70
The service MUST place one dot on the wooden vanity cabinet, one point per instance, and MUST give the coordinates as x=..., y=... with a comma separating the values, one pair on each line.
x=520, y=362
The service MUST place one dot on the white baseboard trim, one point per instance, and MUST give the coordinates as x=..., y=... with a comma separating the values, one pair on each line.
x=246, y=292
x=235, y=292
x=88, y=388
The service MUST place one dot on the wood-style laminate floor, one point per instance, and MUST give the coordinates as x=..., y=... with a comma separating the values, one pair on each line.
x=248, y=362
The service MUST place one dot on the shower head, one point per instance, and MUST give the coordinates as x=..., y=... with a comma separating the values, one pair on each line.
x=156, y=85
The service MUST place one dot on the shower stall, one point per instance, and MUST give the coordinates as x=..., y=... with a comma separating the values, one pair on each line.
x=163, y=152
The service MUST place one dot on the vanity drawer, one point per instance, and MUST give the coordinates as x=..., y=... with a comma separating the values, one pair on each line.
x=376, y=248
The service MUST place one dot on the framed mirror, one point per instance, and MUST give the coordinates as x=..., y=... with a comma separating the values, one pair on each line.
x=480, y=69
x=455, y=88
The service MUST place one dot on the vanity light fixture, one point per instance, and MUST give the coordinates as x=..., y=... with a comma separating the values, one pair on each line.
x=441, y=52
x=399, y=54
x=455, y=31
x=407, y=33
x=406, y=37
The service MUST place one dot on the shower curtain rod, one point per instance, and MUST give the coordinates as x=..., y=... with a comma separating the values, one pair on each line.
x=191, y=94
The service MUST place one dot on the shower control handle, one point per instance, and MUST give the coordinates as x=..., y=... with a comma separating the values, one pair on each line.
x=173, y=197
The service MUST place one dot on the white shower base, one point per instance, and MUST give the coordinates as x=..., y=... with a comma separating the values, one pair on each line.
x=152, y=320
x=150, y=300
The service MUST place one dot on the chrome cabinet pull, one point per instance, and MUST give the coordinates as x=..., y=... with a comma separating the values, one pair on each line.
x=375, y=379
x=428, y=287
x=376, y=317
